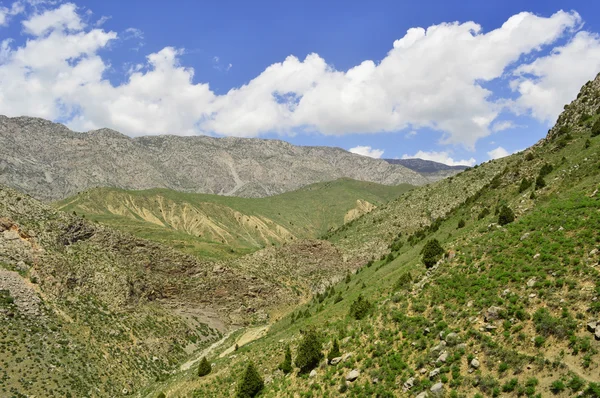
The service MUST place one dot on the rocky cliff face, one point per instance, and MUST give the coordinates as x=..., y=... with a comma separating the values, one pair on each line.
x=50, y=162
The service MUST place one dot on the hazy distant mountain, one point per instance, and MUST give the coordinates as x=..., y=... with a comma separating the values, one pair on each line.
x=49, y=161
x=431, y=170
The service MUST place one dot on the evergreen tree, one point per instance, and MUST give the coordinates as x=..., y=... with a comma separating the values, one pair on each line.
x=251, y=383
x=506, y=215
x=525, y=183
x=286, y=365
x=334, y=352
x=204, y=368
x=461, y=223
x=309, y=351
x=360, y=308
x=432, y=252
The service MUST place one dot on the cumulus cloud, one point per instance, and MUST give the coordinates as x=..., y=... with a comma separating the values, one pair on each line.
x=547, y=83
x=498, y=153
x=430, y=78
x=367, y=151
x=6, y=13
x=440, y=157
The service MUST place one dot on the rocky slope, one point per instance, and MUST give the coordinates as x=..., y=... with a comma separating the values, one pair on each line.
x=433, y=171
x=509, y=307
x=50, y=162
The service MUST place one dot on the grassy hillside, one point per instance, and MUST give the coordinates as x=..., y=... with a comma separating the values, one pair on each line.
x=214, y=226
x=506, y=309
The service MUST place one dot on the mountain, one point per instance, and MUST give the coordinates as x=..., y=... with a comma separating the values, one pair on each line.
x=432, y=170
x=51, y=162
x=213, y=226
x=484, y=284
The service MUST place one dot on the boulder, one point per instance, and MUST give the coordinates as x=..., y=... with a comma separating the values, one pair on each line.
x=536, y=256
x=347, y=356
x=475, y=363
x=525, y=235
x=408, y=384
x=492, y=313
x=353, y=375
x=11, y=235
x=531, y=282
x=336, y=360
x=313, y=373
x=452, y=339
x=422, y=395
x=437, y=350
x=443, y=357
x=434, y=373
x=591, y=326
x=437, y=389
x=593, y=252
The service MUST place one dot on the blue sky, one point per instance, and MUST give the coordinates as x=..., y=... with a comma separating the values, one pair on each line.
x=449, y=92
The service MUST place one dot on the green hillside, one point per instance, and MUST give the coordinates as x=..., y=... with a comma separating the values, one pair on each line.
x=508, y=307
x=214, y=226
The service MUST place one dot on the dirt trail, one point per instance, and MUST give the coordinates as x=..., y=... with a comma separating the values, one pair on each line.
x=249, y=336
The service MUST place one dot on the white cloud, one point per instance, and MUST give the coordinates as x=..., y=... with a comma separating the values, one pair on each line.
x=441, y=157
x=430, y=78
x=502, y=125
x=410, y=134
x=498, y=153
x=64, y=17
x=5, y=13
x=549, y=82
x=367, y=151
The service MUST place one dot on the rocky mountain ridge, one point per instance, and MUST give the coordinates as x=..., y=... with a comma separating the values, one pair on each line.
x=51, y=162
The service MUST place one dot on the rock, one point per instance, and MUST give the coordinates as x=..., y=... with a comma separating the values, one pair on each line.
x=561, y=229
x=591, y=326
x=593, y=252
x=347, y=356
x=345, y=340
x=597, y=333
x=437, y=389
x=335, y=361
x=11, y=235
x=374, y=380
x=443, y=357
x=313, y=373
x=5, y=224
x=475, y=363
x=269, y=379
x=461, y=346
x=353, y=375
x=434, y=373
x=452, y=339
x=492, y=313
x=532, y=295
x=490, y=327
x=531, y=282
x=525, y=236
x=505, y=292
x=422, y=395
x=437, y=350
x=408, y=384
x=441, y=335
x=22, y=267
x=536, y=256
x=426, y=331
x=423, y=371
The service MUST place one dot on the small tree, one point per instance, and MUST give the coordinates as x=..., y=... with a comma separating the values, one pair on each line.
x=204, y=368
x=286, y=365
x=432, y=252
x=334, y=352
x=506, y=215
x=251, y=383
x=309, y=351
x=525, y=183
x=596, y=128
x=540, y=182
x=360, y=308
x=461, y=223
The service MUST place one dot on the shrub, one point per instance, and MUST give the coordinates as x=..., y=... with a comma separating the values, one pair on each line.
x=587, y=144
x=540, y=182
x=360, y=308
x=525, y=183
x=506, y=215
x=593, y=390
x=484, y=213
x=530, y=156
x=539, y=341
x=334, y=352
x=161, y=395
x=576, y=383
x=545, y=170
x=404, y=280
x=286, y=365
x=461, y=223
x=309, y=351
x=510, y=385
x=557, y=387
x=432, y=252
x=204, y=368
x=251, y=383
x=596, y=128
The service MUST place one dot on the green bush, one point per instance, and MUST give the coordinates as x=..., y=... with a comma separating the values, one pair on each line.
x=286, y=365
x=432, y=252
x=360, y=308
x=557, y=386
x=161, y=395
x=309, y=351
x=484, y=213
x=596, y=128
x=251, y=383
x=576, y=384
x=334, y=352
x=403, y=281
x=540, y=182
x=204, y=368
x=461, y=224
x=506, y=215
x=593, y=390
x=525, y=183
